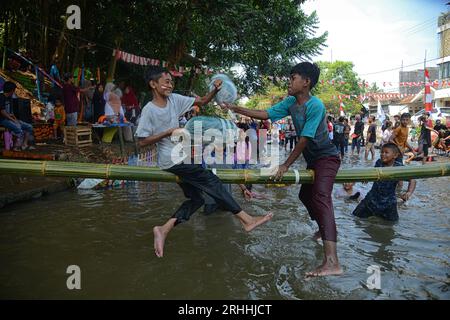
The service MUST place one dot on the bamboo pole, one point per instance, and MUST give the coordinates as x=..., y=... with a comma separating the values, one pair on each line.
x=123, y=172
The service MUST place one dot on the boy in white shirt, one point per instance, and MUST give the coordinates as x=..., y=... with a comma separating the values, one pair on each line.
x=159, y=120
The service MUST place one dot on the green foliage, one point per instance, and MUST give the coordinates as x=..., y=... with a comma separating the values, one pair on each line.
x=263, y=37
x=339, y=71
x=271, y=96
x=214, y=111
x=374, y=88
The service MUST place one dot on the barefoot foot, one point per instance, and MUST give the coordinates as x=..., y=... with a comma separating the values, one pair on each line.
x=326, y=269
x=256, y=221
x=159, y=238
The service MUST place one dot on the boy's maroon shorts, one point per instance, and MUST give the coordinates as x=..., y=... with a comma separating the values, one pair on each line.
x=317, y=196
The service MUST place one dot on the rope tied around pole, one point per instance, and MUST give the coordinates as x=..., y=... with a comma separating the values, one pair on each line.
x=108, y=171
x=245, y=176
x=43, y=166
x=378, y=174
x=297, y=176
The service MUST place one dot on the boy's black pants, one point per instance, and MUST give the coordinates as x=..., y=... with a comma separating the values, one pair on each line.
x=194, y=179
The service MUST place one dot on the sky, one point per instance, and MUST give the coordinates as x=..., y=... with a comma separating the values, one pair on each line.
x=379, y=35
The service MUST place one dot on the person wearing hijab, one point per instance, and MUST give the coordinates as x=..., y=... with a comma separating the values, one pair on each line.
x=98, y=102
x=131, y=104
x=113, y=105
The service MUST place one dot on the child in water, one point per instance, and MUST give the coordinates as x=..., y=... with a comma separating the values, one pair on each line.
x=381, y=200
x=349, y=192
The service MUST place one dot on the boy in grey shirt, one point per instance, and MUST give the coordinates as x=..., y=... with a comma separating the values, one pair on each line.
x=159, y=120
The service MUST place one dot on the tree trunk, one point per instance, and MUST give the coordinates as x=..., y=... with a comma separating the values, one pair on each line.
x=111, y=69
x=179, y=47
x=113, y=62
x=192, y=78
x=75, y=57
x=61, y=48
x=5, y=41
x=13, y=33
x=45, y=14
x=41, y=32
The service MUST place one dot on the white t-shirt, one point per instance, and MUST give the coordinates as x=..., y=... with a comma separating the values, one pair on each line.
x=155, y=120
x=110, y=112
x=342, y=193
x=386, y=136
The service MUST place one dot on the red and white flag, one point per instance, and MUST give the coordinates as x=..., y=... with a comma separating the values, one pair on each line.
x=428, y=97
x=341, y=109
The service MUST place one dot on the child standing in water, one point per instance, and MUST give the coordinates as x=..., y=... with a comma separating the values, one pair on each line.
x=381, y=200
x=308, y=120
x=400, y=135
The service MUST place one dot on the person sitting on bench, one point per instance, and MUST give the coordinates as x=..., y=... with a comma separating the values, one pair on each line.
x=21, y=130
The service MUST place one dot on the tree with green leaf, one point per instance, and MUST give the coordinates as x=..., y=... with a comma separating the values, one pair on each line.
x=272, y=95
x=262, y=37
x=346, y=82
x=374, y=88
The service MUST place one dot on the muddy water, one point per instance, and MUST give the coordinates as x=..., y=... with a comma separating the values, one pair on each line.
x=108, y=235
